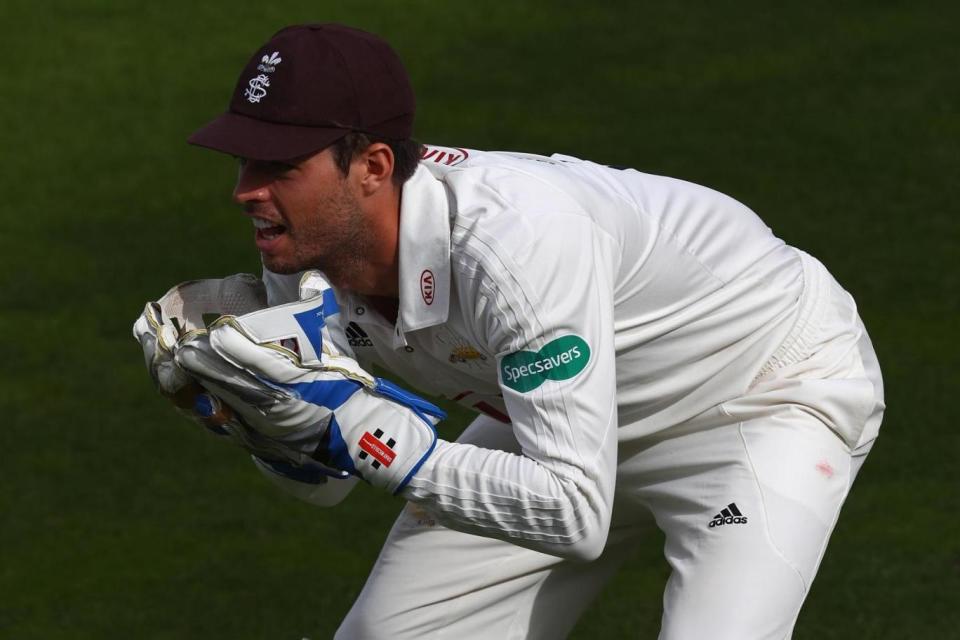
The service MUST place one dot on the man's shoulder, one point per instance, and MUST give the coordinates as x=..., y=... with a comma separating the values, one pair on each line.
x=485, y=185
x=513, y=203
x=514, y=215
x=441, y=159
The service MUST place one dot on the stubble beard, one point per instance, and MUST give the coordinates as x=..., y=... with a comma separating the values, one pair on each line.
x=334, y=240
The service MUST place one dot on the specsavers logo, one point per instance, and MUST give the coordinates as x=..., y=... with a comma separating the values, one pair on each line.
x=559, y=359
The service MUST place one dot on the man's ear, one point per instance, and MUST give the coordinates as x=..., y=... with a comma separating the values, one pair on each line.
x=376, y=165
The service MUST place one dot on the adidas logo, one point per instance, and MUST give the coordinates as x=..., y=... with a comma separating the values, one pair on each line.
x=730, y=515
x=357, y=337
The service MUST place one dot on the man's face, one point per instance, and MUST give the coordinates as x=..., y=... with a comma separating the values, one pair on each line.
x=305, y=214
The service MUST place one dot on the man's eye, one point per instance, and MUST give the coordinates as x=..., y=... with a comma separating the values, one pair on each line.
x=275, y=168
x=264, y=166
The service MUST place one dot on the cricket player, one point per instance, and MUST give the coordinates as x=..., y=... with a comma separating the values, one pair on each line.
x=638, y=349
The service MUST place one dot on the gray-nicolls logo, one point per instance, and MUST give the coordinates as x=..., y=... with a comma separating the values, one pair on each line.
x=257, y=86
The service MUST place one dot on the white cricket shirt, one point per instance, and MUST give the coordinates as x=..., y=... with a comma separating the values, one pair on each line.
x=584, y=304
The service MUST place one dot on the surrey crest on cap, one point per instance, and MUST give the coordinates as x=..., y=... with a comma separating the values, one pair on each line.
x=308, y=86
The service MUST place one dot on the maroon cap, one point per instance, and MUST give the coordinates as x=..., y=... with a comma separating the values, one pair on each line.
x=309, y=86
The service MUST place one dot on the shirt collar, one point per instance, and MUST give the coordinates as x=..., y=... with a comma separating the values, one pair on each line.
x=424, y=253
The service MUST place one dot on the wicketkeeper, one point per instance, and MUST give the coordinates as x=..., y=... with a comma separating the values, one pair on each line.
x=637, y=349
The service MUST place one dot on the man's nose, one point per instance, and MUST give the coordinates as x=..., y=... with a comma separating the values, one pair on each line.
x=252, y=185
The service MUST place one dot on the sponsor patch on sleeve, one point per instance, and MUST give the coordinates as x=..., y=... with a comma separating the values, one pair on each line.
x=559, y=359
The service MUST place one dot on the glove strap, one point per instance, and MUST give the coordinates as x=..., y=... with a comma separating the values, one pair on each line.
x=415, y=402
x=312, y=473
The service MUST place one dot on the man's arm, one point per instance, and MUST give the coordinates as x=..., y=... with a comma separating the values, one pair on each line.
x=550, y=319
x=552, y=328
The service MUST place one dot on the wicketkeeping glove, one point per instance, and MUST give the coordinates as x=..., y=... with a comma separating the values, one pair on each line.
x=278, y=369
x=187, y=308
x=183, y=311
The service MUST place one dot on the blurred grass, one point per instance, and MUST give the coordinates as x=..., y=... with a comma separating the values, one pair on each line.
x=838, y=123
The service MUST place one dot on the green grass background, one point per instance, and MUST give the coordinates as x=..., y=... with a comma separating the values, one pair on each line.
x=837, y=122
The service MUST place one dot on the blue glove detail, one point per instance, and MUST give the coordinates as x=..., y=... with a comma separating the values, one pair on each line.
x=337, y=450
x=309, y=403
x=312, y=322
x=408, y=399
x=330, y=306
x=333, y=393
x=203, y=407
x=308, y=474
x=323, y=393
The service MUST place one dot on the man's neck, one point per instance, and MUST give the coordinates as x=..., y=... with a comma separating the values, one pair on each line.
x=384, y=217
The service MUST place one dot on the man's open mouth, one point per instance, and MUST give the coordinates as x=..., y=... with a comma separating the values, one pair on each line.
x=268, y=230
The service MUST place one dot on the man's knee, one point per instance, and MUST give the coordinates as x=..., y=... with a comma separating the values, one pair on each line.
x=756, y=605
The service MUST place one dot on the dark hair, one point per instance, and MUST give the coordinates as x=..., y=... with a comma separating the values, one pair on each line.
x=406, y=153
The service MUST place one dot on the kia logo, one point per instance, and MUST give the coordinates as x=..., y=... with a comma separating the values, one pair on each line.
x=448, y=156
x=427, y=286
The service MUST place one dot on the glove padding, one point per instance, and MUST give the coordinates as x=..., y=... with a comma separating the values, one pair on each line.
x=185, y=310
x=308, y=396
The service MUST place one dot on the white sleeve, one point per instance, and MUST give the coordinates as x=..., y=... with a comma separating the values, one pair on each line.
x=546, y=309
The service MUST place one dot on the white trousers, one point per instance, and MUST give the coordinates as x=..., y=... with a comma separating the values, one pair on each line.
x=747, y=495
